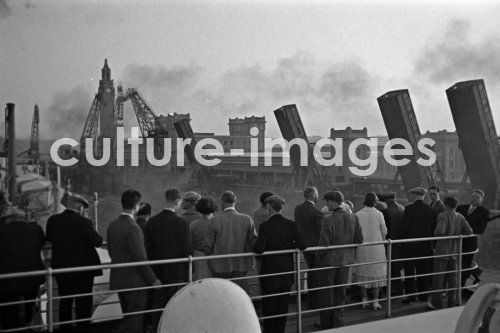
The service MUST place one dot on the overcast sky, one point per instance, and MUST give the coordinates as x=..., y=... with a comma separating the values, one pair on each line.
x=221, y=59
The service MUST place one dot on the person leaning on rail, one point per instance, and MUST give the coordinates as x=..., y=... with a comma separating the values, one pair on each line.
x=227, y=233
x=478, y=216
x=419, y=221
x=126, y=244
x=20, y=246
x=277, y=233
x=74, y=243
x=449, y=223
x=395, y=212
x=340, y=228
x=309, y=218
x=168, y=237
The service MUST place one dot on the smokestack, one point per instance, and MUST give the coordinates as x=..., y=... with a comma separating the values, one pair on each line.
x=10, y=134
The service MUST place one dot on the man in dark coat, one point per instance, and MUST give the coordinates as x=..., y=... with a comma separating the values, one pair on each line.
x=125, y=245
x=168, y=237
x=309, y=218
x=20, y=246
x=395, y=212
x=277, y=233
x=419, y=221
x=74, y=241
x=477, y=215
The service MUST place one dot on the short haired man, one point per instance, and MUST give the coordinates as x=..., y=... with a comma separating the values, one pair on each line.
x=230, y=232
x=20, y=246
x=260, y=214
x=449, y=223
x=189, y=201
x=309, y=218
x=340, y=228
x=126, y=244
x=74, y=241
x=436, y=202
x=419, y=221
x=277, y=233
x=478, y=216
x=168, y=237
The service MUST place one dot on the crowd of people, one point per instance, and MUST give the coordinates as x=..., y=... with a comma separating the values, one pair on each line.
x=190, y=224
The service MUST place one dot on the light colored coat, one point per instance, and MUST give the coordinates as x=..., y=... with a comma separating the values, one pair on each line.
x=374, y=230
x=227, y=233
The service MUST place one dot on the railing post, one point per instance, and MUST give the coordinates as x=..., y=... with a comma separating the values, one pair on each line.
x=389, y=280
x=299, y=296
x=190, y=269
x=459, y=277
x=50, y=304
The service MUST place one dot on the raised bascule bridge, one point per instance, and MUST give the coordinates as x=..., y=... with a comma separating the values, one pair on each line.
x=477, y=141
x=478, y=144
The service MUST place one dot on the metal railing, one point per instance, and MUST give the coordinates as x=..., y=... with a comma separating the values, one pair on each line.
x=297, y=292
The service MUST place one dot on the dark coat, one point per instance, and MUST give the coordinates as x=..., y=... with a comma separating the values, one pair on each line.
x=278, y=233
x=438, y=206
x=73, y=242
x=395, y=211
x=168, y=237
x=126, y=244
x=142, y=223
x=477, y=221
x=309, y=218
x=20, y=247
x=419, y=221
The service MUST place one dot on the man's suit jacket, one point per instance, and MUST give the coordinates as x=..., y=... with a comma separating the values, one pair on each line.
x=478, y=220
x=126, y=244
x=20, y=246
x=340, y=228
x=419, y=221
x=141, y=222
x=73, y=242
x=168, y=237
x=309, y=218
x=278, y=233
x=395, y=211
x=230, y=232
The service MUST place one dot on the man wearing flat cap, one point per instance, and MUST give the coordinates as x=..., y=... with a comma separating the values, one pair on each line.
x=73, y=245
x=277, y=233
x=340, y=228
x=419, y=221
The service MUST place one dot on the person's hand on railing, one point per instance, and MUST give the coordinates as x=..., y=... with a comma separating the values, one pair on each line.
x=157, y=283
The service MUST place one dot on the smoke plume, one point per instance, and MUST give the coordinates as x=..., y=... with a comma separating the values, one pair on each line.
x=456, y=57
x=67, y=113
x=327, y=94
x=5, y=10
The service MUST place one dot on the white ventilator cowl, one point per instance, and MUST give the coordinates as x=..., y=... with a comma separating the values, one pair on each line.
x=210, y=306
